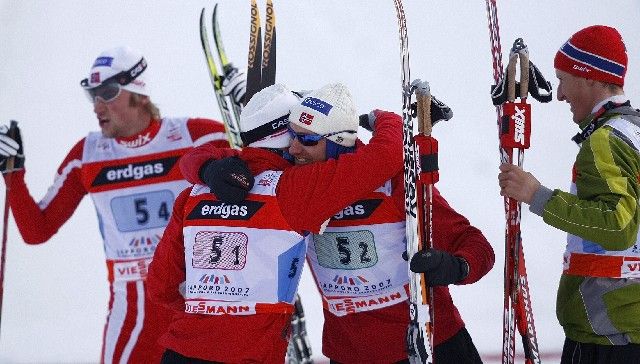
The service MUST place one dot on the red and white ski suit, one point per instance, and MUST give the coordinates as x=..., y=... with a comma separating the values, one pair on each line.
x=307, y=196
x=376, y=334
x=133, y=182
x=358, y=267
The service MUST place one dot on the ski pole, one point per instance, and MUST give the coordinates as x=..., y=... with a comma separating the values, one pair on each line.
x=10, y=162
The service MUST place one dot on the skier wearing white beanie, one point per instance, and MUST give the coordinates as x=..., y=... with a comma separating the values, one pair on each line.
x=130, y=160
x=356, y=255
x=282, y=205
x=329, y=113
x=264, y=120
x=323, y=126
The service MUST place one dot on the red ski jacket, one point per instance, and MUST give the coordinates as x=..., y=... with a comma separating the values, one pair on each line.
x=306, y=200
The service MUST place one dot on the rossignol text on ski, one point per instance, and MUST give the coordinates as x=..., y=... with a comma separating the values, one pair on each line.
x=261, y=59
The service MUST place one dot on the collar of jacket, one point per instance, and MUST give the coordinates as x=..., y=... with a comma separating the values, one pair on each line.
x=595, y=120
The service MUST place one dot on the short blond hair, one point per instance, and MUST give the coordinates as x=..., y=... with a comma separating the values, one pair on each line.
x=149, y=107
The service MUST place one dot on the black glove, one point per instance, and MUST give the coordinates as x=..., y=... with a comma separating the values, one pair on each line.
x=440, y=268
x=11, y=146
x=229, y=179
x=368, y=121
x=439, y=111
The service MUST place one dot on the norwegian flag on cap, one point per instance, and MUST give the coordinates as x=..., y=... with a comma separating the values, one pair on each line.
x=306, y=118
x=95, y=77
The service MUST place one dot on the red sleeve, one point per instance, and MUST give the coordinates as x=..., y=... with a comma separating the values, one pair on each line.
x=191, y=161
x=167, y=269
x=37, y=222
x=311, y=194
x=453, y=233
x=207, y=130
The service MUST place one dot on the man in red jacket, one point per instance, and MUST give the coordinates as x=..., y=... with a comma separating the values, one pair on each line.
x=130, y=171
x=229, y=269
x=356, y=259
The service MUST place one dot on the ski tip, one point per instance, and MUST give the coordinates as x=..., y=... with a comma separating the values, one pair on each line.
x=215, y=10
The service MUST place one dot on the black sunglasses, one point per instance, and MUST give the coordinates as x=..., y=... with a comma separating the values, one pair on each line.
x=309, y=140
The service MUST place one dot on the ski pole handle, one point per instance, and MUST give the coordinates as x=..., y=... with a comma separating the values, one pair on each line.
x=523, y=55
x=519, y=52
x=423, y=101
x=511, y=77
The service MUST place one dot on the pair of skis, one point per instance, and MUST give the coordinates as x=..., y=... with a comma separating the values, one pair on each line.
x=261, y=73
x=420, y=174
x=231, y=122
x=261, y=65
x=514, y=128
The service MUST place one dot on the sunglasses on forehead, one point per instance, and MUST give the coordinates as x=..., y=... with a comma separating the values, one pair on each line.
x=309, y=140
x=110, y=88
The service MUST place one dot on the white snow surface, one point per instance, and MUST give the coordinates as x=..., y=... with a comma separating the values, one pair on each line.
x=55, y=294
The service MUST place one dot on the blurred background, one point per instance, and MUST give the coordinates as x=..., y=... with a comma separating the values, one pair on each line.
x=55, y=294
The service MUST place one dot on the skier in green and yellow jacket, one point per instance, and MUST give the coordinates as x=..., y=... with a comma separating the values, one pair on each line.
x=598, y=302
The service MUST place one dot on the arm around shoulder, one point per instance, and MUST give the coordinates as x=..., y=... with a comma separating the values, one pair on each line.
x=207, y=130
x=334, y=184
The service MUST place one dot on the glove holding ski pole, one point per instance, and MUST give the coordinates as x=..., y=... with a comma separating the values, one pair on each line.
x=439, y=111
x=440, y=268
x=11, y=146
x=234, y=84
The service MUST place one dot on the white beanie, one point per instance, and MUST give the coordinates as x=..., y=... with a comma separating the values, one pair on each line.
x=264, y=119
x=328, y=110
x=120, y=60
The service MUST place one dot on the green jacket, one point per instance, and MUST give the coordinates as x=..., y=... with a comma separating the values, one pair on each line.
x=603, y=210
